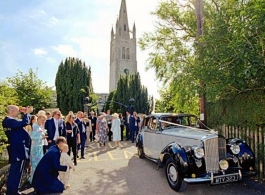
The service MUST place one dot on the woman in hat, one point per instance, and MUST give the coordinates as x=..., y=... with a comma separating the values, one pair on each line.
x=116, y=129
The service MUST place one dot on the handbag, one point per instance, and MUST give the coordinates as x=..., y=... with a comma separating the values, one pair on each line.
x=110, y=133
x=96, y=138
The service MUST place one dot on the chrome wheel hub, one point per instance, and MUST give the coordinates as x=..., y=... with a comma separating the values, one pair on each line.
x=172, y=173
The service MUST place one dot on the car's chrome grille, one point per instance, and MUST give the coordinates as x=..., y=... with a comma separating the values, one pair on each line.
x=222, y=148
x=211, y=154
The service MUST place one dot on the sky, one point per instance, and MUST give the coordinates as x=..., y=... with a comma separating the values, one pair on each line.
x=41, y=33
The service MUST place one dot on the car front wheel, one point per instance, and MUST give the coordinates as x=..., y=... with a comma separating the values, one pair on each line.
x=173, y=177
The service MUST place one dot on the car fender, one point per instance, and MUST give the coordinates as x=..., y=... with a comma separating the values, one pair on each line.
x=246, y=155
x=139, y=140
x=178, y=155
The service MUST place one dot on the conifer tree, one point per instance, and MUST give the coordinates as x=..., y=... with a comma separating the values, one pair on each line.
x=73, y=82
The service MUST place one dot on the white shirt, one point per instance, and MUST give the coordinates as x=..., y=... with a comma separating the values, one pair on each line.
x=56, y=135
x=83, y=126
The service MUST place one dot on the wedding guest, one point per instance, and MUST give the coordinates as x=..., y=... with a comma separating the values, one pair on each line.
x=134, y=125
x=101, y=129
x=48, y=114
x=38, y=138
x=72, y=134
x=45, y=178
x=65, y=159
x=88, y=129
x=82, y=124
x=116, y=129
x=93, y=119
x=109, y=119
x=18, y=144
x=41, y=112
x=33, y=119
x=122, y=121
x=127, y=124
x=55, y=128
x=137, y=123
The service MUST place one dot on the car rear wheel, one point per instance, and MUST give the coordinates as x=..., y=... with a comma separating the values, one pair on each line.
x=140, y=151
x=173, y=177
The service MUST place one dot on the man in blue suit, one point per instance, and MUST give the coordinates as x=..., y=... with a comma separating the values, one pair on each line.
x=19, y=144
x=55, y=128
x=82, y=124
x=45, y=179
x=134, y=122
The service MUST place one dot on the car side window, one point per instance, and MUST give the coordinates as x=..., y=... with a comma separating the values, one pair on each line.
x=153, y=124
x=145, y=123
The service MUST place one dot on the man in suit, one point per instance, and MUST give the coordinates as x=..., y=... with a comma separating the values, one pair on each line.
x=93, y=120
x=19, y=144
x=127, y=124
x=134, y=122
x=82, y=124
x=55, y=128
x=45, y=179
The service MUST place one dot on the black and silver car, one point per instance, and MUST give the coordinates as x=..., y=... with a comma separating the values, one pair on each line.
x=190, y=154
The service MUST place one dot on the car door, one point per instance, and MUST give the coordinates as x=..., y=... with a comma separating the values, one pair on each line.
x=152, y=138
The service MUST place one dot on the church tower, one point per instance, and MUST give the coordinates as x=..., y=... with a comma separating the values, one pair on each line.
x=122, y=49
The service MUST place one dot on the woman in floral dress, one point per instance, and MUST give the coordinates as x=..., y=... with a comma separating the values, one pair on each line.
x=102, y=128
x=37, y=141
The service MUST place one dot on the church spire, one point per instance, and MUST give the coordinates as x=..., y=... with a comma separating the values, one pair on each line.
x=123, y=21
x=134, y=31
x=112, y=33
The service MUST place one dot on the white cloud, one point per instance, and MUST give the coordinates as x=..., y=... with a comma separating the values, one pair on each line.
x=65, y=50
x=50, y=60
x=50, y=22
x=39, y=51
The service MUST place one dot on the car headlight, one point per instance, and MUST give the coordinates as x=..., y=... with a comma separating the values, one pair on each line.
x=223, y=164
x=199, y=152
x=235, y=149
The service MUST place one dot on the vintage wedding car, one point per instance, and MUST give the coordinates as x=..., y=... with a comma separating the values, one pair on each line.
x=190, y=154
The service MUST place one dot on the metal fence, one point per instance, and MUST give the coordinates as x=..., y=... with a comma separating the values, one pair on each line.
x=254, y=137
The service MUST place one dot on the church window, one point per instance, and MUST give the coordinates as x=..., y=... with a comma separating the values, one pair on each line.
x=128, y=53
x=123, y=53
x=124, y=27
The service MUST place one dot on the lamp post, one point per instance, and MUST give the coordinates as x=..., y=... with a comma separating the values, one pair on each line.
x=131, y=106
x=86, y=101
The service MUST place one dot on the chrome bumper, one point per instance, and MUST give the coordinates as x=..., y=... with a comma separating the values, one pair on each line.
x=209, y=178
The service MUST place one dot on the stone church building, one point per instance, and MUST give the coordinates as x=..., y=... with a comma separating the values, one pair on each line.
x=122, y=48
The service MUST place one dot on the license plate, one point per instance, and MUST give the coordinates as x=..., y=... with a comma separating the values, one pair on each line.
x=225, y=178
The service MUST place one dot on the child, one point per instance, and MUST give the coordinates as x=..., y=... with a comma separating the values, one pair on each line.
x=65, y=160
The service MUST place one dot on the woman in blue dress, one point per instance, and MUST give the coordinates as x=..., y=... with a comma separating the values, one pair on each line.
x=38, y=138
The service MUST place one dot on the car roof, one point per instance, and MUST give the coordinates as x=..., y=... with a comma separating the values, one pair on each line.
x=169, y=114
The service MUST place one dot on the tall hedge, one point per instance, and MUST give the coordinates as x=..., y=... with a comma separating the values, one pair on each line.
x=245, y=109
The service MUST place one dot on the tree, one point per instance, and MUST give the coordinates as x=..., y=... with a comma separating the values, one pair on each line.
x=30, y=90
x=227, y=59
x=129, y=86
x=73, y=83
x=8, y=96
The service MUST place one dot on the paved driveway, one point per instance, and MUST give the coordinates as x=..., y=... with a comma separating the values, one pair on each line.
x=114, y=171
